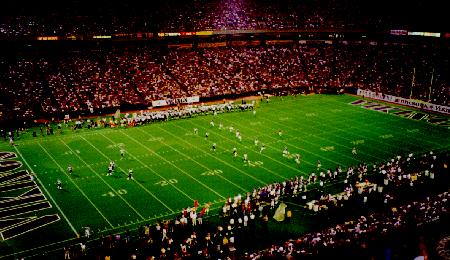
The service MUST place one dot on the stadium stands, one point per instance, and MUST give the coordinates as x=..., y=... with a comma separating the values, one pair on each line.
x=89, y=77
x=98, y=79
x=23, y=19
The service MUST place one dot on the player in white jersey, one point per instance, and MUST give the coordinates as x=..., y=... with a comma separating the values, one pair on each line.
x=256, y=141
x=245, y=157
x=213, y=148
x=235, y=154
x=110, y=170
x=220, y=125
x=196, y=131
x=354, y=151
x=285, y=151
x=211, y=123
x=122, y=153
x=70, y=169
x=59, y=184
x=263, y=147
x=297, y=159
x=130, y=174
x=206, y=136
x=112, y=164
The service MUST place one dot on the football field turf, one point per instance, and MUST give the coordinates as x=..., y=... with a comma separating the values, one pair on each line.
x=172, y=166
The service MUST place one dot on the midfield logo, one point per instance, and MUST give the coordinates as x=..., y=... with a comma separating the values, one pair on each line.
x=20, y=200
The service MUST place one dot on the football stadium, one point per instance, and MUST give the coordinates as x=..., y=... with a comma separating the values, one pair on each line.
x=231, y=129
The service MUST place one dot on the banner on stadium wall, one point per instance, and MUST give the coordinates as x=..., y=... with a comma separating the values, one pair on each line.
x=404, y=101
x=167, y=102
x=211, y=44
x=278, y=42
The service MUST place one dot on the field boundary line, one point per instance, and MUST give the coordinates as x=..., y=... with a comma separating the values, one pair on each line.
x=46, y=191
x=390, y=119
x=81, y=191
x=107, y=184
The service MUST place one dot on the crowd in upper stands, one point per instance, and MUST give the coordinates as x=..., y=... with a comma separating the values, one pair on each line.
x=98, y=78
x=29, y=18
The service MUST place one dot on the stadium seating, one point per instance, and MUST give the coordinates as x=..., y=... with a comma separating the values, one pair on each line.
x=110, y=78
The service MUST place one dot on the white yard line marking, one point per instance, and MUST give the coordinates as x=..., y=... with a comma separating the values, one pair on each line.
x=68, y=177
x=106, y=183
x=232, y=166
x=202, y=165
x=251, y=149
x=178, y=168
x=140, y=185
x=329, y=141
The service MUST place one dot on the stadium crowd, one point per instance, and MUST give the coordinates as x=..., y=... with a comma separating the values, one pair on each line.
x=409, y=182
x=59, y=83
x=114, y=17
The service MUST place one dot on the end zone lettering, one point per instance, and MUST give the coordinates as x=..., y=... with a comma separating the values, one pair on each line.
x=15, y=211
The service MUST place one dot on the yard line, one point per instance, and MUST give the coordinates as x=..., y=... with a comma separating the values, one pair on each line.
x=305, y=140
x=363, y=112
x=284, y=142
x=181, y=170
x=232, y=166
x=162, y=177
x=192, y=159
x=393, y=117
x=274, y=173
x=280, y=111
x=140, y=185
x=70, y=179
x=360, y=129
x=331, y=132
x=54, y=137
x=106, y=183
x=46, y=191
x=376, y=126
x=94, y=239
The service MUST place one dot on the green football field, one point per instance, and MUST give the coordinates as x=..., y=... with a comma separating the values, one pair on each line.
x=172, y=166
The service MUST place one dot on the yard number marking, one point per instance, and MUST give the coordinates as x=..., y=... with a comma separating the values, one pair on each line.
x=167, y=182
x=255, y=163
x=356, y=142
x=327, y=148
x=112, y=194
x=212, y=172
